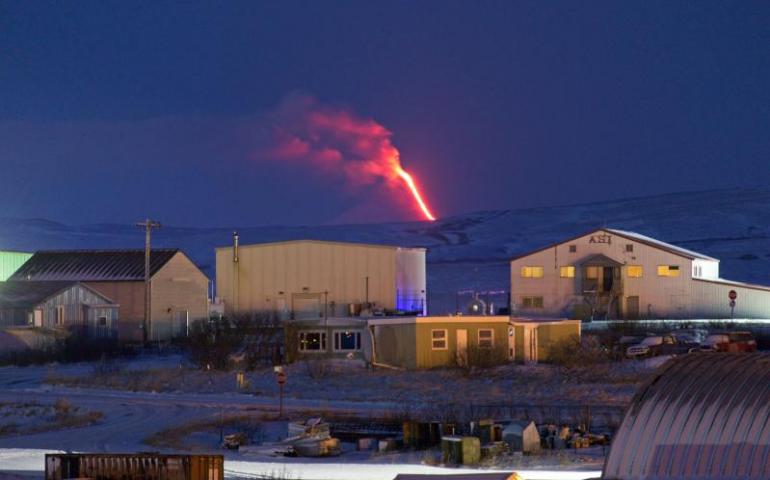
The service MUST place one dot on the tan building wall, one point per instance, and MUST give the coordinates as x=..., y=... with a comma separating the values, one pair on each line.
x=287, y=276
x=178, y=286
x=179, y=295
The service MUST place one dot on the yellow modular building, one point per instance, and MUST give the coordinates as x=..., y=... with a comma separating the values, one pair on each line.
x=307, y=279
x=429, y=342
x=533, y=338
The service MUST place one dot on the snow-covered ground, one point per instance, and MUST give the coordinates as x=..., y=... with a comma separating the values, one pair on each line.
x=471, y=251
x=131, y=417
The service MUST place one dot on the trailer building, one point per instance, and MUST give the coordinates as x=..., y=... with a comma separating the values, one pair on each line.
x=306, y=279
x=610, y=273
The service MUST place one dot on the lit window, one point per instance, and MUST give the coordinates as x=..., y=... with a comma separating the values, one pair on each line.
x=668, y=270
x=438, y=339
x=532, y=302
x=592, y=272
x=486, y=338
x=634, y=271
x=531, y=272
x=347, y=341
x=629, y=247
x=573, y=248
x=567, y=272
x=312, y=341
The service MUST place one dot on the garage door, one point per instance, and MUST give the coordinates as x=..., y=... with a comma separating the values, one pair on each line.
x=306, y=305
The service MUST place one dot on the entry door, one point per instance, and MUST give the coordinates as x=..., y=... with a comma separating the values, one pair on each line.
x=632, y=307
x=38, y=318
x=607, y=279
x=462, y=347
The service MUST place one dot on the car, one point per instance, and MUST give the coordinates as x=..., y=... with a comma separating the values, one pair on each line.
x=729, y=342
x=655, y=345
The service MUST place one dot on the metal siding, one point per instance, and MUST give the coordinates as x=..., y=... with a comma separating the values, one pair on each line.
x=340, y=269
x=10, y=262
x=700, y=416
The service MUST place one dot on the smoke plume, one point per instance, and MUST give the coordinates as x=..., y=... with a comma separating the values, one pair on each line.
x=337, y=141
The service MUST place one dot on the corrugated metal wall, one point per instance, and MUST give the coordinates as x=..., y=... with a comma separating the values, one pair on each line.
x=10, y=262
x=269, y=275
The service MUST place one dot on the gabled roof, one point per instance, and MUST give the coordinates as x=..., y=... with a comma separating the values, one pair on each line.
x=661, y=245
x=91, y=265
x=633, y=236
x=29, y=294
x=598, y=259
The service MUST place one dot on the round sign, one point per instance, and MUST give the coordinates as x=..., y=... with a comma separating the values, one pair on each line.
x=733, y=294
x=281, y=377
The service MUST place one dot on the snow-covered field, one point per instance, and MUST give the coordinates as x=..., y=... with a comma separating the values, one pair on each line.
x=131, y=417
x=471, y=251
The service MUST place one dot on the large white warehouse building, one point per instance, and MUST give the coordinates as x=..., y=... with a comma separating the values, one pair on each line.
x=305, y=279
x=610, y=273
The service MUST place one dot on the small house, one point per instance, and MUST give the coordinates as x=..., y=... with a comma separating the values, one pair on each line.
x=58, y=305
x=522, y=436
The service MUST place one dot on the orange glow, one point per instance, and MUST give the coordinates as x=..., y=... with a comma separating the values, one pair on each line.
x=415, y=192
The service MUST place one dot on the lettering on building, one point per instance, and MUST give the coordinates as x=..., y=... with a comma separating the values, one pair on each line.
x=604, y=238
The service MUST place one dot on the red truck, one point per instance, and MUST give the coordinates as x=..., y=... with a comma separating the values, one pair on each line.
x=730, y=342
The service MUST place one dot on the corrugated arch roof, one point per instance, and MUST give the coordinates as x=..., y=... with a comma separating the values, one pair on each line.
x=700, y=416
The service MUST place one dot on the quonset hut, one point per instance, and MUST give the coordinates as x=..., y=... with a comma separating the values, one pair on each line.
x=701, y=416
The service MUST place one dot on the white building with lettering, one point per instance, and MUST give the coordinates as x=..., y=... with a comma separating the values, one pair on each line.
x=610, y=273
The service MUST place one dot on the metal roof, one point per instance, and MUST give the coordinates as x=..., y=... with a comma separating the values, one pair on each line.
x=702, y=415
x=321, y=242
x=91, y=265
x=30, y=294
x=649, y=241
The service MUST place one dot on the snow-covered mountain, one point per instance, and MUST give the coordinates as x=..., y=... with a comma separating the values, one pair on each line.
x=470, y=251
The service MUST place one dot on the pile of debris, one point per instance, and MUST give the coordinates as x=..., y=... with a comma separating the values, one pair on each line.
x=312, y=438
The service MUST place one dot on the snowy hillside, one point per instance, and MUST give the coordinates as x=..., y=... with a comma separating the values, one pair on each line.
x=470, y=251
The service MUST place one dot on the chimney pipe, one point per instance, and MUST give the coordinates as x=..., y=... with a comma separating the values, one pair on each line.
x=235, y=247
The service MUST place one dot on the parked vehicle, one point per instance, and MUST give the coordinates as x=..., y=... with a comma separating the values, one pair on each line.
x=730, y=342
x=655, y=345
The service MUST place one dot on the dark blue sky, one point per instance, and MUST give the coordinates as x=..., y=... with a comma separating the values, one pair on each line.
x=110, y=111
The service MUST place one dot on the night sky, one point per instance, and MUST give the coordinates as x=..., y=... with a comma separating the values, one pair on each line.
x=112, y=111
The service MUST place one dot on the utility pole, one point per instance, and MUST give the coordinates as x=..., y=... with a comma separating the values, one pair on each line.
x=147, y=225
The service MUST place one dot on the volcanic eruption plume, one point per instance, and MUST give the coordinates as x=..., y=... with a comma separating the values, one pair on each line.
x=335, y=139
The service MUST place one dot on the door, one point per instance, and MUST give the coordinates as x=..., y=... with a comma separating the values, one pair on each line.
x=607, y=278
x=38, y=318
x=632, y=307
x=462, y=347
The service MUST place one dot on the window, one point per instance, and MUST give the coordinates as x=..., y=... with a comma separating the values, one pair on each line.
x=531, y=272
x=567, y=272
x=697, y=271
x=532, y=302
x=629, y=247
x=486, y=338
x=347, y=341
x=438, y=339
x=634, y=271
x=60, y=315
x=668, y=270
x=592, y=272
x=102, y=321
x=572, y=248
x=312, y=341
